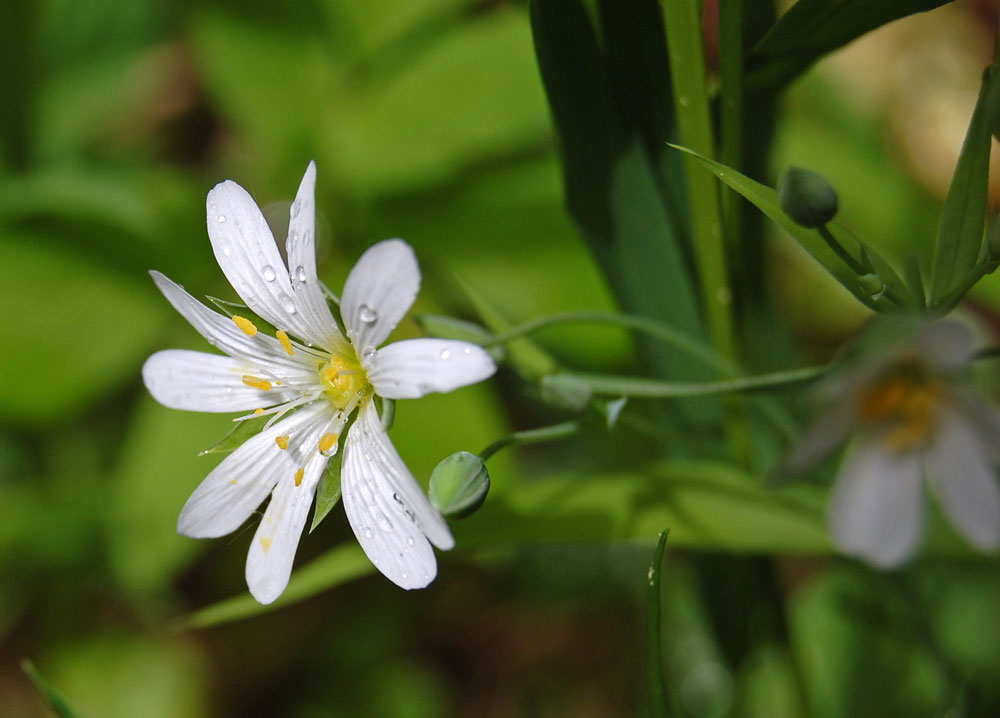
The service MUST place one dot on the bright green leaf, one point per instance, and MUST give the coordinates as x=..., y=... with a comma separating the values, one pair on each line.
x=52, y=697
x=327, y=492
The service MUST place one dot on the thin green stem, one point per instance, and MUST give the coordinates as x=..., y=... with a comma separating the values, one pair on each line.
x=731, y=102
x=532, y=436
x=839, y=250
x=678, y=340
x=657, y=690
x=655, y=389
x=687, y=71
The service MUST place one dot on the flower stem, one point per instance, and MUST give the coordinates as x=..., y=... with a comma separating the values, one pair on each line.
x=657, y=691
x=655, y=389
x=532, y=436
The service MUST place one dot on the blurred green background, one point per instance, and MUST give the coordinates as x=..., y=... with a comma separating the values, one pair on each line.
x=428, y=121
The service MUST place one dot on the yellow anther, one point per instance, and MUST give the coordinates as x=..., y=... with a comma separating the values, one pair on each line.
x=281, y=441
x=328, y=441
x=265, y=542
x=903, y=408
x=257, y=383
x=298, y=476
x=258, y=412
x=245, y=324
x=286, y=343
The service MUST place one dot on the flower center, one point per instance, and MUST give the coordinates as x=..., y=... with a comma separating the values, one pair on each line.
x=903, y=403
x=344, y=381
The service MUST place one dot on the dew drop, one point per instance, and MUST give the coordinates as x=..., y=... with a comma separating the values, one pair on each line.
x=369, y=533
x=445, y=354
x=300, y=274
x=385, y=524
x=367, y=314
x=368, y=353
x=467, y=350
x=409, y=541
x=295, y=208
x=287, y=303
x=268, y=272
x=221, y=218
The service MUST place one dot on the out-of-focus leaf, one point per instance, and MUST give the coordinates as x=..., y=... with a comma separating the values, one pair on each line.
x=766, y=200
x=52, y=697
x=813, y=28
x=960, y=231
x=74, y=330
x=327, y=492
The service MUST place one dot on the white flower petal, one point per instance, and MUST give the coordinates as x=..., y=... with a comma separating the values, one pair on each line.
x=415, y=367
x=386, y=507
x=197, y=381
x=301, y=249
x=829, y=431
x=958, y=463
x=223, y=334
x=272, y=552
x=945, y=344
x=876, y=510
x=378, y=292
x=238, y=485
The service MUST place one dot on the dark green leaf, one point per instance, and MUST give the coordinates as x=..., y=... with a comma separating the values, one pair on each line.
x=813, y=28
x=960, y=231
x=327, y=492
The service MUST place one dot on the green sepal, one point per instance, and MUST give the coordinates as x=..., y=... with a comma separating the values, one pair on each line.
x=327, y=491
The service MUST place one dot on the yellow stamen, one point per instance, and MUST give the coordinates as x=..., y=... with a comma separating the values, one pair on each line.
x=344, y=379
x=245, y=324
x=281, y=441
x=256, y=382
x=258, y=412
x=328, y=441
x=903, y=408
x=286, y=343
x=265, y=542
x=298, y=476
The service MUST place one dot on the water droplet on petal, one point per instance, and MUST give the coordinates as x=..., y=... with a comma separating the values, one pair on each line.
x=300, y=274
x=367, y=314
x=368, y=353
x=467, y=350
x=287, y=303
x=221, y=218
x=268, y=272
x=369, y=533
x=409, y=541
x=295, y=208
x=445, y=354
x=385, y=524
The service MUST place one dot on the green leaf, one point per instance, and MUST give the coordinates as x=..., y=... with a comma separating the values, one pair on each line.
x=52, y=697
x=812, y=28
x=960, y=231
x=327, y=492
x=767, y=201
x=235, y=437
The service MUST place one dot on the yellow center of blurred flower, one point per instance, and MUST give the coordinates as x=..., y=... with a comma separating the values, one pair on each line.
x=902, y=404
x=344, y=381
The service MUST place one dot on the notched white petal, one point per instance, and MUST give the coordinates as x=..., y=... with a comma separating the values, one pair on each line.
x=416, y=367
x=378, y=292
x=876, y=511
x=237, y=486
x=197, y=381
x=272, y=552
x=959, y=465
x=386, y=508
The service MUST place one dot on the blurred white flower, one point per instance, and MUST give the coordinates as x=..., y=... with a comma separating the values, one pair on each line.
x=310, y=367
x=915, y=419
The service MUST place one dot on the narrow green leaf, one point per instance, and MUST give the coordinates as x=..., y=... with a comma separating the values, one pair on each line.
x=235, y=437
x=766, y=200
x=327, y=492
x=52, y=697
x=657, y=689
x=963, y=219
x=811, y=29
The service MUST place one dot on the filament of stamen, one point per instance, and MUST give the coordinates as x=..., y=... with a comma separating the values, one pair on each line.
x=245, y=324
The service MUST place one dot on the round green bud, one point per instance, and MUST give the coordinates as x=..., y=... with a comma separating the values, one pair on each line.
x=459, y=484
x=873, y=284
x=807, y=197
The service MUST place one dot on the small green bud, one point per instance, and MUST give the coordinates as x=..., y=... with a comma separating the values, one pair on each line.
x=872, y=284
x=807, y=197
x=459, y=484
x=565, y=391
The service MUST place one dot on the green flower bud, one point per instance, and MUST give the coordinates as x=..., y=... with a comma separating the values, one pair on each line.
x=807, y=197
x=872, y=284
x=459, y=484
x=565, y=391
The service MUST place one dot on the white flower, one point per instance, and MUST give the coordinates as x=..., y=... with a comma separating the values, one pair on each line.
x=311, y=367
x=914, y=419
